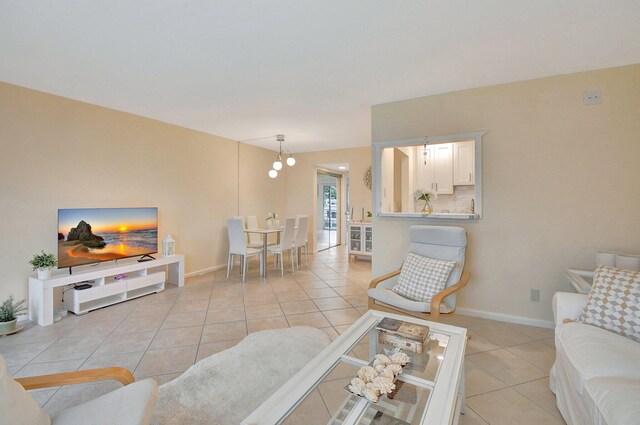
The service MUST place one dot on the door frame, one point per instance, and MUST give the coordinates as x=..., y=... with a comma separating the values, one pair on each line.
x=339, y=201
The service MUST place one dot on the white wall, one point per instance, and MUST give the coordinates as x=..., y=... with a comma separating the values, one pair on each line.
x=561, y=180
x=59, y=153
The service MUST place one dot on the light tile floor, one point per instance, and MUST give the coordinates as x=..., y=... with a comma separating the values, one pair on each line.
x=161, y=335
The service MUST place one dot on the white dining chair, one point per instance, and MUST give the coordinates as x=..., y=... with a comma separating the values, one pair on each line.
x=255, y=240
x=238, y=246
x=286, y=244
x=302, y=227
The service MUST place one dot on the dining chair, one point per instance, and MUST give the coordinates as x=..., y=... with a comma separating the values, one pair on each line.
x=238, y=246
x=286, y=244
x=255, y=240
x=302, y=227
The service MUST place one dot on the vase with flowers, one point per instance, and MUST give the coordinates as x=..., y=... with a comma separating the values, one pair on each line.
x=426, y=196
x=272, y=220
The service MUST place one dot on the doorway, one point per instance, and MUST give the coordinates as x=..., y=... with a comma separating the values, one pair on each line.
x=328, y=210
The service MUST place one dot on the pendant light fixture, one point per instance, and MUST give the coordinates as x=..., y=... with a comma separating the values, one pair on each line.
x=277, y=164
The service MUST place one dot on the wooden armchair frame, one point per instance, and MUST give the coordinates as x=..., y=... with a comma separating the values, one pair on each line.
x=435, y=301
x=119, y=374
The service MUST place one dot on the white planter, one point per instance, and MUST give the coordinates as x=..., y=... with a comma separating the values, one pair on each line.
x=44, y=274
x=8, y=327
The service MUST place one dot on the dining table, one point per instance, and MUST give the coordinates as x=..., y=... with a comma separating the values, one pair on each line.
x=265, y=236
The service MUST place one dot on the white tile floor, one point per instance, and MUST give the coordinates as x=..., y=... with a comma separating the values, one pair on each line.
x=161, y=335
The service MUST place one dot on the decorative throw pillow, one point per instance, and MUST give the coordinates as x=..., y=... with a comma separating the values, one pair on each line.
x=421, y=277
x=614, y=302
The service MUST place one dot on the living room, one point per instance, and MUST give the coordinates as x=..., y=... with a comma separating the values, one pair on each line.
x=87, y=126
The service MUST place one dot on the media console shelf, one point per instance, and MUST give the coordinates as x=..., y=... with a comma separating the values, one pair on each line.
x=141, y=279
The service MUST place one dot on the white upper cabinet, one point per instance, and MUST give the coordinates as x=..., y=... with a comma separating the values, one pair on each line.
x=464, y=163
x=443, y=169
x=435, y=168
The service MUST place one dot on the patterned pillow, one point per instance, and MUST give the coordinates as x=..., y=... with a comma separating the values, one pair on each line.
x=614, y=302
x=421, y=277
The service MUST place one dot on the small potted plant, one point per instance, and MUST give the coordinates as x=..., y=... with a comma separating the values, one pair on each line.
x=9, y=309
x=43, y=263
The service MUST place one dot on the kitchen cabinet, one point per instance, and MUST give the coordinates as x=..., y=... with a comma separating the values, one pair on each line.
x=435, y=169
x=360, y=238
x=464, y=163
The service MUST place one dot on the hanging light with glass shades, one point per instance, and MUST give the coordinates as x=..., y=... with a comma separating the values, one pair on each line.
x=277, y=164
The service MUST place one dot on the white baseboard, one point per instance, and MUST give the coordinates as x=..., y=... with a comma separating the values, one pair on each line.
x=521, y=320
x=207, y=270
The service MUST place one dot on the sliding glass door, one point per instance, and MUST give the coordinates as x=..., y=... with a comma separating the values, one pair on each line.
x=328, y=211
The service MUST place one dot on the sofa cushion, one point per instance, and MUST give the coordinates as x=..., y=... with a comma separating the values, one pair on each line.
x=614, y=302
x=613, y=401
x=421, y=277
x=590, y=352
x=16, y=405
x=390, y=298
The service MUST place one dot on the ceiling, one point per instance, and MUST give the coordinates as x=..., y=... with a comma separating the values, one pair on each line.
x=304, y=68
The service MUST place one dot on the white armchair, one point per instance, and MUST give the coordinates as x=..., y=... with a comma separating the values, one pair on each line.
x=132, y=404
x=437, y=242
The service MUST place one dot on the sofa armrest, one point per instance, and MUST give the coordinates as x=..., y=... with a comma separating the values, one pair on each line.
x=567, y=305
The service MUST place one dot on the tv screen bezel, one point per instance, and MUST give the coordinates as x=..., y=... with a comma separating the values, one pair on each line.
x=97, y=261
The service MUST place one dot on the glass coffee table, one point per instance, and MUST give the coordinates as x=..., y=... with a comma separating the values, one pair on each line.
x=430, y=389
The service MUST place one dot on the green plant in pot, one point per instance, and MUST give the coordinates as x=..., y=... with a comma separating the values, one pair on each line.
x=9, y=310
x=43, y=263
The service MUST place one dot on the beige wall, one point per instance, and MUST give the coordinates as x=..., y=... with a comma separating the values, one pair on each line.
x=301, y=182
x=561, y=180
x=59, y=153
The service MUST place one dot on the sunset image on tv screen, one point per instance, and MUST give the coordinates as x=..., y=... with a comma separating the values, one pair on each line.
x=103, y=234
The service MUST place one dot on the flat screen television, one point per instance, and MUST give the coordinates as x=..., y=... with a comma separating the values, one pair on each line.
x=92, y=235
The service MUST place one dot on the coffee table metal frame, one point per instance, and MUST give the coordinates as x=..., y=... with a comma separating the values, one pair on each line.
x=447, y=390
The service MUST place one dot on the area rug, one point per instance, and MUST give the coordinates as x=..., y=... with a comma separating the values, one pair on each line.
x=226, y=387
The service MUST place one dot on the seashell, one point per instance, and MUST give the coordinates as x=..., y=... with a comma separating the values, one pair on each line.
x=387, y=374
x=395, y=368
x=400, y=358
x=371, y=395
x=382, y=359
x=367, y=373
x=378, y=367
x=383, y=384
x=357, y=386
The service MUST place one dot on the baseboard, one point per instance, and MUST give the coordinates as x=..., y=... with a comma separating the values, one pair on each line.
x=521, y=320
x=207, y=270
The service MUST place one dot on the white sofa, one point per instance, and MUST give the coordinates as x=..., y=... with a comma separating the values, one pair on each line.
x=596, y=375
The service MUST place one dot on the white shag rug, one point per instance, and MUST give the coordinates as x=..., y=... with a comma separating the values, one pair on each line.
x=227, y=386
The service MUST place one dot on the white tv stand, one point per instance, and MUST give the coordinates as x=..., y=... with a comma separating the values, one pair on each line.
x=142, y=278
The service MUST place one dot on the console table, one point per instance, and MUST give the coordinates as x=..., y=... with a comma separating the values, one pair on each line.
x=142, y=278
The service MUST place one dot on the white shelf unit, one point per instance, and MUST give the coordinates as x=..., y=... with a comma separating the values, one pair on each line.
x=360, y=239
x=142, y=278
x=108, y=290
